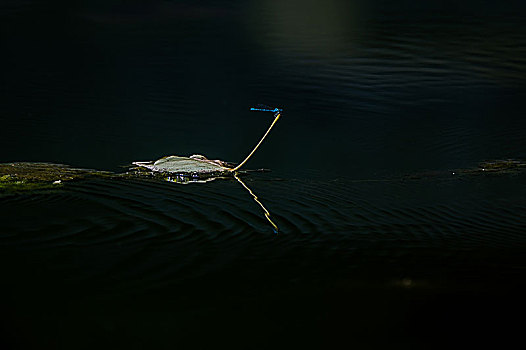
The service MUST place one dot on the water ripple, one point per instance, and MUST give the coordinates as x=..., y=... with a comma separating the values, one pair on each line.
x=141, y=217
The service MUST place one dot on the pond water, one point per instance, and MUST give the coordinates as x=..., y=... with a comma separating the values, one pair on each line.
x=380, y=243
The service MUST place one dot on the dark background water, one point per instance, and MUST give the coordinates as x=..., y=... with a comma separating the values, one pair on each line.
x=366, y=255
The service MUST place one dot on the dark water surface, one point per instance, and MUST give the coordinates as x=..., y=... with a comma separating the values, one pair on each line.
x=379, y=243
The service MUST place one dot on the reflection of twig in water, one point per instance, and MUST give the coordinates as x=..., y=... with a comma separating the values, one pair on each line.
x=267, y=214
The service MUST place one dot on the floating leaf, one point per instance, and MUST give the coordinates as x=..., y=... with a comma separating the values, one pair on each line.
x=196, y=164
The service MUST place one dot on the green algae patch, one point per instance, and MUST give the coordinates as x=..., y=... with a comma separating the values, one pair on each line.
x=17, y=186
x=16, y=177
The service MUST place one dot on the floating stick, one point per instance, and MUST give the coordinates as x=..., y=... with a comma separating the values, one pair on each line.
x=277, y=114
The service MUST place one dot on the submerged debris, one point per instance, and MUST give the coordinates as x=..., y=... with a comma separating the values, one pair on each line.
x=495, y=167
x=490, y=167
x=23, y=176
x=507, y=165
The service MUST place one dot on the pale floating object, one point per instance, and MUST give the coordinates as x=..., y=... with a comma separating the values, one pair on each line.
x=194, y=165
